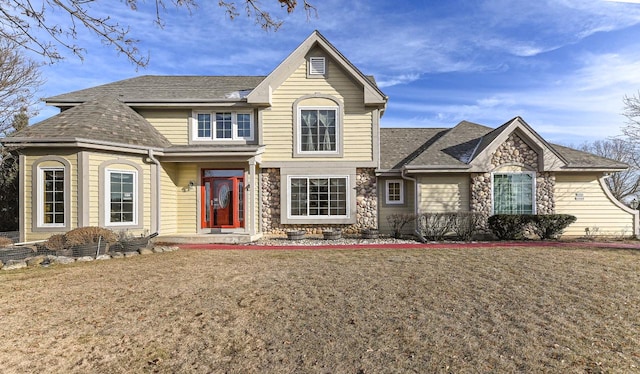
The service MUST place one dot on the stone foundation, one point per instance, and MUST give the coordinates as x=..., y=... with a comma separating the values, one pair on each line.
x=366, y=205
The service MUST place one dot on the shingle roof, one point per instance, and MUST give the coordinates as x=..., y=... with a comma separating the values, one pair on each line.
x=453, y=148
x=156, y=88
x=105, y=119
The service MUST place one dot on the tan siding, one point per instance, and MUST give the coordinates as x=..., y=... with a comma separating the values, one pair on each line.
x=596, y=210
x=445, y=193
x=387, y=210
x=97, y=158
x=168, y=199
x=27, y=194
x=278, y=121
x=186, y=211
x=173, y=124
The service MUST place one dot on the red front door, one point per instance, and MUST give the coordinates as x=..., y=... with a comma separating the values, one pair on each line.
x=222, y=202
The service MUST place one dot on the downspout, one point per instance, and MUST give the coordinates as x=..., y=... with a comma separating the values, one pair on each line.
x=157, y=188
x=415, y=203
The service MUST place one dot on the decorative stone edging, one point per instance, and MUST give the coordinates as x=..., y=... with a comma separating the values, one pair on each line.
x=46, y=260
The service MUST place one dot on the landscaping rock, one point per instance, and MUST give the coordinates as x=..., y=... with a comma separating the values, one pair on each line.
x=103, y=257
x=158, y=249
x=13, y=265
x=131, y=254
x=117, y=255
x=1, y=264
x=63, y=260
x=84, y=259
x=170, y=249
x=35, y=261
x=145, y=251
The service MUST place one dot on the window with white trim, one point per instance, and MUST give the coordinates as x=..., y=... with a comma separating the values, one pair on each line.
x=317, y=66
x=318, y=129
x=318, y=197
x=122, y=200
x=223, y=126
x=514, y=193
x=395, y=191
x=51, y=195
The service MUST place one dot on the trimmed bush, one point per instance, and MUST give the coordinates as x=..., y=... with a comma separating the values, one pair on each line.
x=466, y=224
x=551, y=226
x=513, y=226
x=434, y=226
x=398, y=221
x=55, y=243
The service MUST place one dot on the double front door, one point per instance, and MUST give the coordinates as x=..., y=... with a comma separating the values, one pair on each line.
x=222, y=199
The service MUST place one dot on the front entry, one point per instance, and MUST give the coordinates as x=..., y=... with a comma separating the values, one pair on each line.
x=222, y=198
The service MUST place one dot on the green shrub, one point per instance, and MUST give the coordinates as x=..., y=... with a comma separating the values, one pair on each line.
x=513, y=226
x=551, y=226
x=508, y=226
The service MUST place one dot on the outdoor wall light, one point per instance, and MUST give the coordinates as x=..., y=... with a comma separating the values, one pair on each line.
x=191, y=185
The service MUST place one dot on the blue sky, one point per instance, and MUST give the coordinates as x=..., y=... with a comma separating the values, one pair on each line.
x=563, y=65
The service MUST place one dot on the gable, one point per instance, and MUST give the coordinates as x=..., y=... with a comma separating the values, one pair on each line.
x=516, y=142
x=315, y=46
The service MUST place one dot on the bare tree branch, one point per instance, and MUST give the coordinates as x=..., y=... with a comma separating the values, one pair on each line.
x=624, y=184
x=21, y=23
x=19, y=80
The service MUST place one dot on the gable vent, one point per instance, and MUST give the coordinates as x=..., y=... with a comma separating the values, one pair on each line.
x=316, y=66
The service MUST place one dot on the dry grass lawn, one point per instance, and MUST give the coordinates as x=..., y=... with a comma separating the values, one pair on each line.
x=328, y=311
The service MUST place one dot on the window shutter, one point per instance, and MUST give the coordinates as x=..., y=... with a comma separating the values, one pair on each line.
x=316, y=66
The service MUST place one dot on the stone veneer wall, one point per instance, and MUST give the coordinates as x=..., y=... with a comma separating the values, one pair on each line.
x=514, y=151
x=366, y=204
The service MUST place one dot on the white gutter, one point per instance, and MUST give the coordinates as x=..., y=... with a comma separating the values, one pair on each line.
x=415, y=201
x=157, y=163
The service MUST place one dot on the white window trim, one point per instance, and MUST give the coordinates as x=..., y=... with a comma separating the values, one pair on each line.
x=40, y=199
x=347, y=197
x=533, y=188
x=337, y=134
x=107, y=197
x=311, y=70
x=234, y=126
x=394, y=202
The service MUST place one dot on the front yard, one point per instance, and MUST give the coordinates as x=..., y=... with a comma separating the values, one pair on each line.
x=328, y=311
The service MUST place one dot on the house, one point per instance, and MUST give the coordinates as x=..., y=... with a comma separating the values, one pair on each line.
x=508, y=170
x=230, y=158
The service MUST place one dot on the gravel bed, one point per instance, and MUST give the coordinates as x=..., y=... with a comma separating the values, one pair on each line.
x=319, y=241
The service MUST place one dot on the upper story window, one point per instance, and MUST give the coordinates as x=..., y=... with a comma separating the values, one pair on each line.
x=317, y=130
x=223, y=126
x=514, y=193
x=317, y=66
